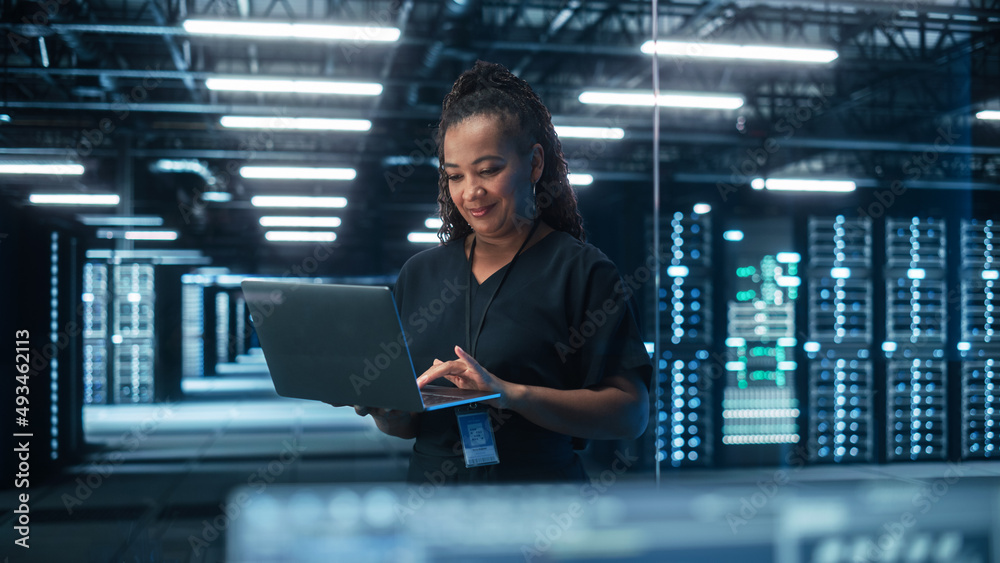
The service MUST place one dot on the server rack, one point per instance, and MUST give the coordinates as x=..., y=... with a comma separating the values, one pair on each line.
x=916, y=331
x=192, y=327
x=684, y=428
x=95, y=297
x=980, y=344
x=840, y=372
x=760, y=408
x=221, y=328
x=133, y=344
x=118, y=333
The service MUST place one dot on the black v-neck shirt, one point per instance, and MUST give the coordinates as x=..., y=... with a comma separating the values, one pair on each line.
x=563, y=319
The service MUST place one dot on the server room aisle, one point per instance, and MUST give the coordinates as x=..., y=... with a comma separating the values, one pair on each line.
x=152, y=487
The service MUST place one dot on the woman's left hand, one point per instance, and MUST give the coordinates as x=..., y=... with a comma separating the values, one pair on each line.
x=466, y=373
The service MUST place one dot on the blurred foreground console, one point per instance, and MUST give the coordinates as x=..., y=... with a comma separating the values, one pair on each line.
x=948, y=518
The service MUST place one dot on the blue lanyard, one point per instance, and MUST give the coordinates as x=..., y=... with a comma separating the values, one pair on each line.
x=471, y=342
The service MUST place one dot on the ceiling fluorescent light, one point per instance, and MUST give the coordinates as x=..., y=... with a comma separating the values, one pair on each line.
x=675, y=100
x=216, y=197
x=74, y=199
x=741, y=52
x=300, y=236
x=294, y=86
x=297, y=201
x=136, y=235
x=295, y=123
x=54, y=169
x=580, y=179
x=433, y=223
x=297, y=173
x=4, y=118
x=802, y=185
x=989, y=114
x=151, y=235
x=279, y=221
x=423, y=238
x=120, y=220
x=280, y=30
x=574, y=132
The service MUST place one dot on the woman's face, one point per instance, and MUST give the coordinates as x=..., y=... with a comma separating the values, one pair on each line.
x=489, y=181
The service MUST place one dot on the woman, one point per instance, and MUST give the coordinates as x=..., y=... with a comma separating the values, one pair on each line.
x=515, y=301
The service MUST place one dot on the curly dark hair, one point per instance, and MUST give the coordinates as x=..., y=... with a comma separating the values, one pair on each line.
x=491, y=89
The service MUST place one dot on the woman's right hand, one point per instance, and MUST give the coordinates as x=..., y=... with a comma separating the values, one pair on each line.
x=392, y=422
x=365, y=411
x=377, y=413
x=384, y=417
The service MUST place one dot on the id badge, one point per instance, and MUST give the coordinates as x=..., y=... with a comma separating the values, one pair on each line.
x=477, y=436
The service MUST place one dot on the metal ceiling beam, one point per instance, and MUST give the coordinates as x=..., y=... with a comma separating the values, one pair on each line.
x=175, y=52
x=667, y=136
x=691, y=24
x=562, y=18
x=401, y=22
x=986, y=20
x=529, y=46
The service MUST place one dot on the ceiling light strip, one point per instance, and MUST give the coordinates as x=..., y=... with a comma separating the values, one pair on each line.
x=295, y=123
x=739, y=52
x=690, y=100
x=298, y=201
x=53, y=169
x=74, y=199
x=120, y=220
x=419, y=237
x=578, y=132
x=151, y=235
x=275, y=85
x=290, y=221
x=297, y=173
x=281, y=30
x=803, y=185
x=300, y=236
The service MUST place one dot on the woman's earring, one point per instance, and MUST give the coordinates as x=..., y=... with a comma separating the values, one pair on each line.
x=534, y=200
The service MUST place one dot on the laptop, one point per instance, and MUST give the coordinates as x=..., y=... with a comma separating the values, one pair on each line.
x=342, y=344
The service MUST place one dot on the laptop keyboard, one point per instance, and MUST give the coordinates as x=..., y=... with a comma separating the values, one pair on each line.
x=438, y=395
x=431, y=399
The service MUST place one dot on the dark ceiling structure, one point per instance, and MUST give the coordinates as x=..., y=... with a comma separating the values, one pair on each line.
x=119, y=86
